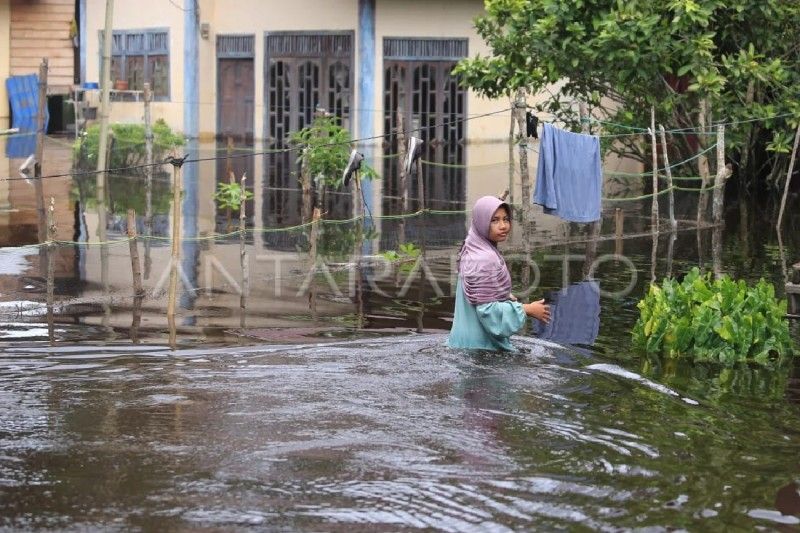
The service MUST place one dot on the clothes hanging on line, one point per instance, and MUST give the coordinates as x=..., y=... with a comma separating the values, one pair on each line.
x=531, y=124
x=569, y=177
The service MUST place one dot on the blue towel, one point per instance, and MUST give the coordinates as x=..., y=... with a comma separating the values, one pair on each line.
x=568, y=177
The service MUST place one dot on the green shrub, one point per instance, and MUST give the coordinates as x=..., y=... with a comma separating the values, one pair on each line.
x=719, y=320
x=129, y=144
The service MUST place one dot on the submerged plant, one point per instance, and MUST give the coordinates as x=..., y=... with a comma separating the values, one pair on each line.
x=406, y=255
x=231, y=195
x=128, y=146
x=325, y=151
x=718, y=320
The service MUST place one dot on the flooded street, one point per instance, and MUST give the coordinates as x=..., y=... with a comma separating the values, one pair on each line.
x=327, y=401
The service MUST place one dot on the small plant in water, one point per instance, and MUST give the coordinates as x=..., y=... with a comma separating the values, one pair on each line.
x=719, y=320
x=231, y=195
x=406, y=255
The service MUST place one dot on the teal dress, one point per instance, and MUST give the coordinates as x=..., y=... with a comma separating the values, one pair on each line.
x=484, y=326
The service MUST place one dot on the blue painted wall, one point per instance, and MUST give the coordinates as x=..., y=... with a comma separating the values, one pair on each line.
x=191, y=68
x=366, y=86
x=82, y=37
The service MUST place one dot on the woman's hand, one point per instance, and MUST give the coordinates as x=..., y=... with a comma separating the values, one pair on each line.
x=538, y=309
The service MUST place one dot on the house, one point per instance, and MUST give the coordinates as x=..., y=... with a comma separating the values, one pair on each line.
x=29, y=31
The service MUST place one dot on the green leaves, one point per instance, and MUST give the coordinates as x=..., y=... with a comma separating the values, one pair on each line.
x=128, y=146
x=721, y=320
x=326, y=149
x=626, y=56
x=231, y=195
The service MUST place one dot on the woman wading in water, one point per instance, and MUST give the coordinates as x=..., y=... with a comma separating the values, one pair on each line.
x=486, y=313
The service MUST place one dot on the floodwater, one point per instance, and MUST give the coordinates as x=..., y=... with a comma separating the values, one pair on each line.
x=266, y=415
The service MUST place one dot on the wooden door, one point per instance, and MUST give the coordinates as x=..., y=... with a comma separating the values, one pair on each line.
x=235, y=99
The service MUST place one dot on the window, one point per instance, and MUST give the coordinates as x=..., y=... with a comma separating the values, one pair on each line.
x=141, y=56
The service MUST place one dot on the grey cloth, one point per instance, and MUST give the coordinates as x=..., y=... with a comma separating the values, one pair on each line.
x=574, y=315
x=568, y=177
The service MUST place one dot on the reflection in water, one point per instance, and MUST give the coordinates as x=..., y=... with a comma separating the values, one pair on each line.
x=575, y=315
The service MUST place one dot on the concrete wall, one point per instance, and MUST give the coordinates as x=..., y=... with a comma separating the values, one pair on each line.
x=417, y=18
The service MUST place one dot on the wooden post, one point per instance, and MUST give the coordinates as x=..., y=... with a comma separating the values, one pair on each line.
x=305, y=178
x=673, y=236
x=148, y=182
x=511, y=153
x=654, y=205
x=401, y=169
x=37, y=167
x=133, y=247
x=619, y=221
x=420, y=185
x=702, y=165
x=51, y=237
x=77, y=110
x=665, y=156
x=716, y=251
x=520, y=106
x=136, y=271
x=105, y=107
x=723, y=172
x=229, y=153
x=243, y=256
x=312, y=296
x=594, y=230
x=176, y=237
x=591, y=248
x=654, y=257
x=422, y=233
x=788, y=176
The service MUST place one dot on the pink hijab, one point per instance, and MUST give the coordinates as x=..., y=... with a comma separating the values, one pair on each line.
x=483, y=271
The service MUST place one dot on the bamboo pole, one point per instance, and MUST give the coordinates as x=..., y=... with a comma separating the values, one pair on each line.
x=520, y=105
x=665, y=156
x=788, y=176
x=51, y=236
x=702, y=165
x=654, y=204
x=175, y=257
x=37, y=166
x=723, y=172
x=148, y=182
x=243, y=256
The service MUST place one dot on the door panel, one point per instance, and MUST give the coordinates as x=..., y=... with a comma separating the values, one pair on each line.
x=235, y=99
